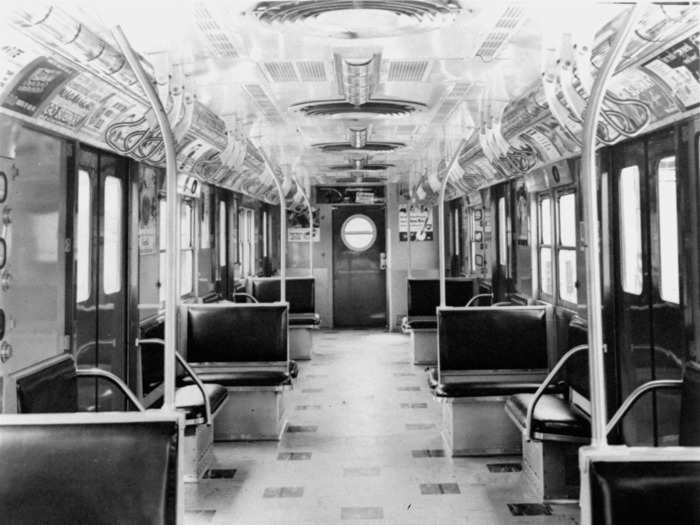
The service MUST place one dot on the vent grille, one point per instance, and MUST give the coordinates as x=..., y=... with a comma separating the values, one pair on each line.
x=260, y=98
x=312, y=71
x=407, y=70
x=281, y=71
x=450, y=102
x=504, y=28
x=218, y=40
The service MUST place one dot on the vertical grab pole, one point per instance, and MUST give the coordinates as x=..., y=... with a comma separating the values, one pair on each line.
x=283, y=228
x=592, y=246
x=173, y=237
x=441, y=222
x=311, y=234
x=409, y=205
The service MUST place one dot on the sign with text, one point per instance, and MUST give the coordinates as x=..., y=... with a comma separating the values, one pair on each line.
x=421, y=223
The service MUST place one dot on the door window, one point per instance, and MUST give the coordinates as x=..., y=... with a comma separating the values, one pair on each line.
x=358, y=232
x=112, y=270
x=567, y=247
x=83, y=237
x=668, y=229
x=631, y=230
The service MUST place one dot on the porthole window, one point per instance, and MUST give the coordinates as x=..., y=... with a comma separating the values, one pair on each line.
x=358, y=232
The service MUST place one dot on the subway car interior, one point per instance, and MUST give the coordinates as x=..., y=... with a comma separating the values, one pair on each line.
x=337, y=261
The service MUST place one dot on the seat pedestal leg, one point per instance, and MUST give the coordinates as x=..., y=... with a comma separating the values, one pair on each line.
x=550, y=469
x=198, y=452
x=424, y=346
x=251, y=413
x=300, y=343
x=478, y=426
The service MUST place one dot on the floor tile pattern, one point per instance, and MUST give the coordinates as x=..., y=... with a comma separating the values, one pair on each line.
x=351, y=454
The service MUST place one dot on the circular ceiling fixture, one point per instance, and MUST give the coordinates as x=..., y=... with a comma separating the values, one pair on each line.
x=343, y=109
x=339, y=147
x=358, y=19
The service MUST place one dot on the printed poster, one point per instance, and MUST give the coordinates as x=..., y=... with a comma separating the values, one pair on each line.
x=421, y=223
x=298, y=226
x=679, y=68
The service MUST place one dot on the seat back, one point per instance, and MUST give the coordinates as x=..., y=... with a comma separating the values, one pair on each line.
x=49, y=386
x=300, y=292
x=576, y=370
x=88, y=468
x=236, y=332
x=508, y=338
x=690, y=406
x=424, y=294
x=627, y=492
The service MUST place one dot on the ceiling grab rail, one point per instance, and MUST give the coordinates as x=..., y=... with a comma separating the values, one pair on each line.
x=592, y=236
x=441, y=221
x=172, y=270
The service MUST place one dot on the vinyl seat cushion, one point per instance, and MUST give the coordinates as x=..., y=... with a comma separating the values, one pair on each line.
x=552, y=415
x=262, y=378
x=189, y=400
x=487, y=388
x=304, y=319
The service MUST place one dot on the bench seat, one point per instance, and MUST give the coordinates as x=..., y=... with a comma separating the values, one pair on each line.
x=484, y=389
x=261, y=378
x=188, y=399
x=553, y=416
x=304, y=319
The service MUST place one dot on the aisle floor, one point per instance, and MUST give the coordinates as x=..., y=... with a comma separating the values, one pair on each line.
x=362, y=443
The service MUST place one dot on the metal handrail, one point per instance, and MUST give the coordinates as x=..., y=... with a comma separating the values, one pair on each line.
x=246, y=295
x=547, y=380
x=172, y=251
x=98, y=372
x=190, y=372
x=631, y=399
x=592, y=235
x=477, y=297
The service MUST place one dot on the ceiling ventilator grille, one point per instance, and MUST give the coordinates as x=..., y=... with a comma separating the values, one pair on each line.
x=219, y=42
x=269, y=110
x=504, y=28
x=407, y=70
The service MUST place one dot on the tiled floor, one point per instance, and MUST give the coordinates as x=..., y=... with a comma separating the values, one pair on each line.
x=362, y=444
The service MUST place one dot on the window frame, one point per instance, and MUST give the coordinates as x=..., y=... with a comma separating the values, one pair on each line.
x=187, y=203
x=542, y=244
x=561, y=247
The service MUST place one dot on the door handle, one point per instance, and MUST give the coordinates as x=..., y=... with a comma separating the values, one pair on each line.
x=382, y=261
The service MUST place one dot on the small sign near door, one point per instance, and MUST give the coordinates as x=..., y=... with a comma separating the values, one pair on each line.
x=421, y=223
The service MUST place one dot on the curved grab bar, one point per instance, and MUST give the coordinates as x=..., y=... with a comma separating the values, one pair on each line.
x=190, y=372
x=98, y=372
x=547, y=380
x=477, y=297
x=631, y=399
x=246, y=295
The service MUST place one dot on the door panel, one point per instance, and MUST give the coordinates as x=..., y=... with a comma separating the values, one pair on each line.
x=359, y=278
x=650, y=328
x=99, y=276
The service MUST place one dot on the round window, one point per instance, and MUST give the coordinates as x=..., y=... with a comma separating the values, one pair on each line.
x=358, y=232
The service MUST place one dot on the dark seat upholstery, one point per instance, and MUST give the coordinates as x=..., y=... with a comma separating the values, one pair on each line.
x=244, y=378
x=507, y=338
x=552, y=416
x=300, y=294
x=424, y=297
x=188, y=399
x=645, y=492
x=307, y=319
x=690, y=406
x=235, y=333
x=51, y=389
x=485, y=389
x=97, y=472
